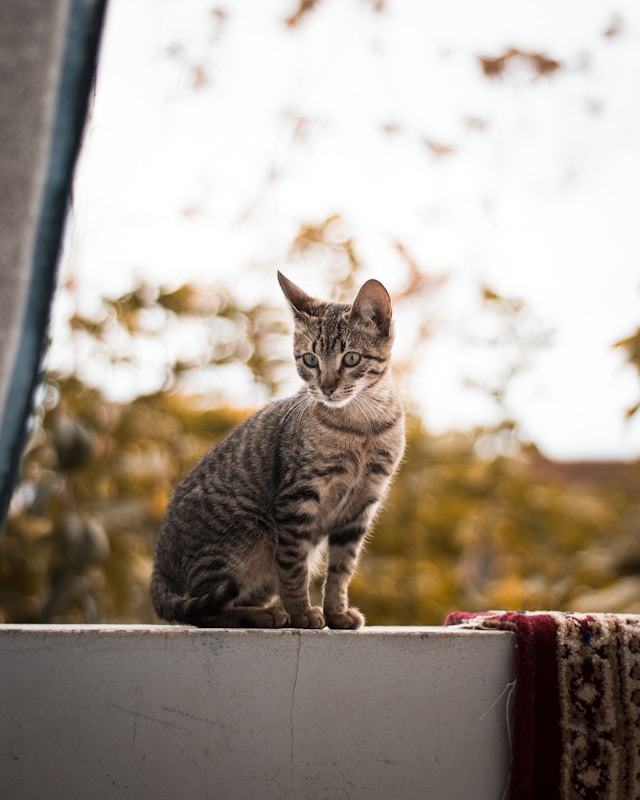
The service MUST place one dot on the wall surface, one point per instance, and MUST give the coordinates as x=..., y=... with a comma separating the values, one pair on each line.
x=171, y=712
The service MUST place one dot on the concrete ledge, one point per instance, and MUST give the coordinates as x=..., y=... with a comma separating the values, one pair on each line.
x=172, y=712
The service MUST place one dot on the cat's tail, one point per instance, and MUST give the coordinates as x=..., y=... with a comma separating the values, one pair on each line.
x=172, y=607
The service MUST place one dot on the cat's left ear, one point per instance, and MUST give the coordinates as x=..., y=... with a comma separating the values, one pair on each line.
x=299, y=300
x=373, y=304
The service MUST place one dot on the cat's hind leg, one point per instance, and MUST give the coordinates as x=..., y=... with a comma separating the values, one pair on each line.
x=253, y=608
x=246, y=617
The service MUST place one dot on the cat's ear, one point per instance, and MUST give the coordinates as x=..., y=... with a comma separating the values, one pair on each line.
x=373, y=304
x=299, y=300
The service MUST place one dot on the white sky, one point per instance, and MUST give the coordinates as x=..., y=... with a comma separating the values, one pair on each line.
x=541, y=202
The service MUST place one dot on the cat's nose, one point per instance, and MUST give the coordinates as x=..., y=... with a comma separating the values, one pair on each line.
x=328, y=385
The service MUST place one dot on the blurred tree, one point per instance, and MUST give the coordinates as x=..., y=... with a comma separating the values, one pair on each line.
x=631, y=345
x=465, y=526
x=513, y=59
x=97, y=474
x=176, y=336
x=507, y=326
x=516, y=531
x=475, y=519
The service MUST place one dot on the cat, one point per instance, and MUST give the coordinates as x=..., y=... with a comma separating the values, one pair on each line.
x=243, y=530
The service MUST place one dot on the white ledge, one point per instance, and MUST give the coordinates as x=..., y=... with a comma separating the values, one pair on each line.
x=143, y=711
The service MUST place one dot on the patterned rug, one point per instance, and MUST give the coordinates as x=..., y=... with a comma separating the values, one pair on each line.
x=576, y=708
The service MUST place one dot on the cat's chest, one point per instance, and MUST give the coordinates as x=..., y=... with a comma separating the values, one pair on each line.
x=338, y=477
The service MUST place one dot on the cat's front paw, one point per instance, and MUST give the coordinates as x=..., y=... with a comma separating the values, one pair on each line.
x=311, y=618
x=347, y=620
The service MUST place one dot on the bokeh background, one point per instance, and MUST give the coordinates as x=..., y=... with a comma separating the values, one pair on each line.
x=482, y=160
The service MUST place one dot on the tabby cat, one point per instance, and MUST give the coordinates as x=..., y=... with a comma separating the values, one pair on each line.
x=244, y=528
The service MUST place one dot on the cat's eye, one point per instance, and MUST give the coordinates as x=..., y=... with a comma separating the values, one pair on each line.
x=310, y=360
x=351, y=359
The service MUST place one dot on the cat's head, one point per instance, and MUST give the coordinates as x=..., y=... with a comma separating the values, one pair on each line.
x=340, y=350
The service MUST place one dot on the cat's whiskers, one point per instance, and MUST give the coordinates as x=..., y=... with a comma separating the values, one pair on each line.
x=303, y=407
x=374, y=407
x=305, y=403
x=295, y=407
x=366, y=407
x=297, y=410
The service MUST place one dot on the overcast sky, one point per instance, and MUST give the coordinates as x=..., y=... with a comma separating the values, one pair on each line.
x=217, y=131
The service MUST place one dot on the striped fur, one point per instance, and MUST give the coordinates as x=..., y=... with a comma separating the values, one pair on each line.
x=244, y=528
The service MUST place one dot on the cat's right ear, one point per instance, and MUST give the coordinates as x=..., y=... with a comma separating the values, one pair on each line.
x=300, y=302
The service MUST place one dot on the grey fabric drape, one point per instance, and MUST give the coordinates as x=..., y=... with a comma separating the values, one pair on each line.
x=48, y=53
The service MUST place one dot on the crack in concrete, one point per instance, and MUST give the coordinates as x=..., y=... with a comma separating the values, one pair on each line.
x=138, y=715
x=291, y=724
x=197, y=718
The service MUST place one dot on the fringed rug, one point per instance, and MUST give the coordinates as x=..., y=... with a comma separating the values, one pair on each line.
x=576, y=708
